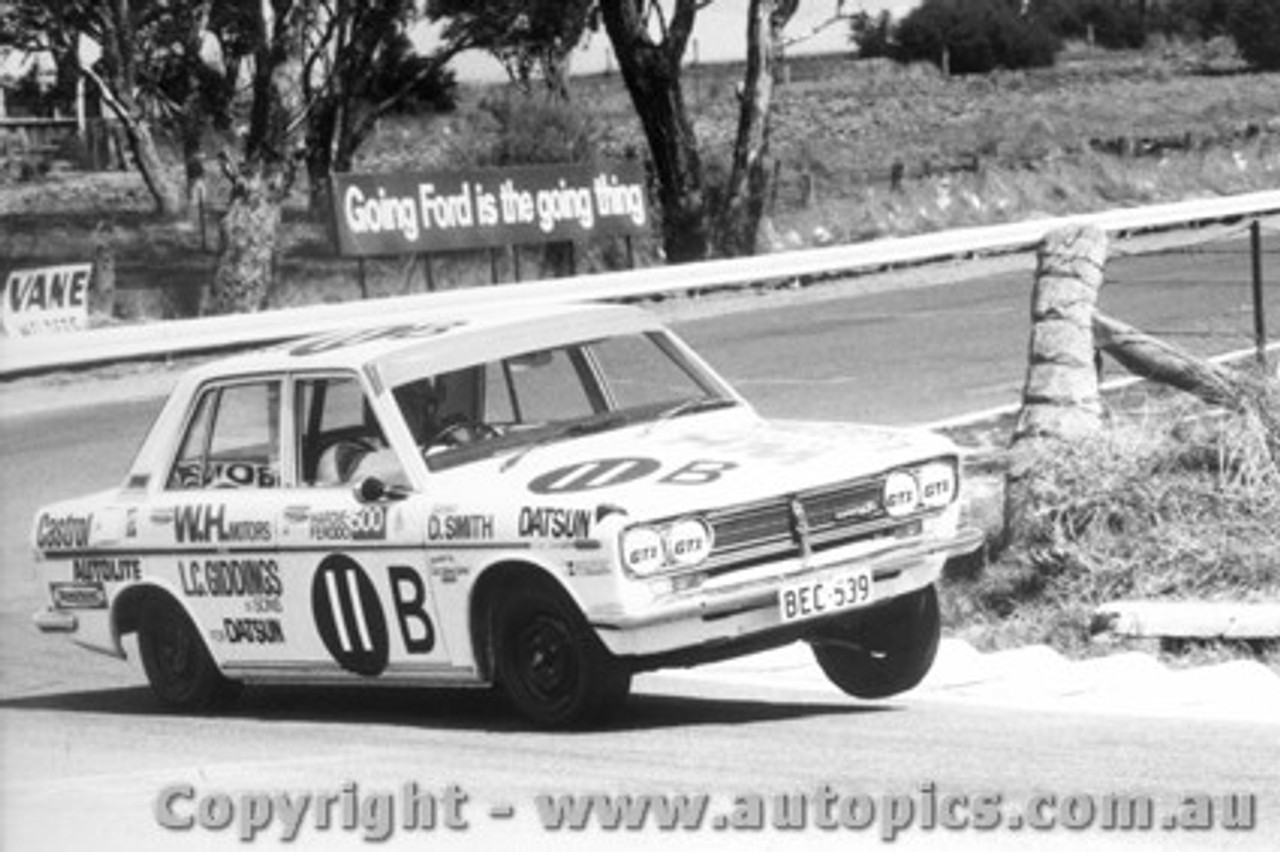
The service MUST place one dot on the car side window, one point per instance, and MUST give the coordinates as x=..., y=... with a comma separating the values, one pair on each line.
x=339, y=437
x=232, y=439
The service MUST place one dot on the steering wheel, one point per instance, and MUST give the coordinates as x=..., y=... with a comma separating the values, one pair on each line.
x=462, y=432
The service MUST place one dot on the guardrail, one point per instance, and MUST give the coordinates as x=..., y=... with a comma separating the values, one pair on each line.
x=22, y=356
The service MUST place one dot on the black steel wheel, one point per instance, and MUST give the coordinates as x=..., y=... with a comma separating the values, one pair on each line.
x=550, y=663
x=181, y=672
x=883, y=651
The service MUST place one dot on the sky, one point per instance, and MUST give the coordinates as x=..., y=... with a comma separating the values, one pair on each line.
x=720, y=35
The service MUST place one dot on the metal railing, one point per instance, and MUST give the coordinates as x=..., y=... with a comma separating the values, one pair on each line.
x=23, y=356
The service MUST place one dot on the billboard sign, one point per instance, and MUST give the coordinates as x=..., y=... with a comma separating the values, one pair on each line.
x=48, y=299
x=418, y=213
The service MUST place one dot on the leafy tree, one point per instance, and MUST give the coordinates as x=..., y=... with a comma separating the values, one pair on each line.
x=531, y=38
x=974, y=36
x=324, y=72
x=650, y=59
x=649, y=44
x=737, y=219
x=1193, y=19
x=1111, y=24
x=358, y=65
x=130, y=36
x=1255, y=26
x=872, y=37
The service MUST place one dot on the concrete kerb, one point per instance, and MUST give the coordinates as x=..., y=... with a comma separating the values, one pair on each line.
x=1191, y=620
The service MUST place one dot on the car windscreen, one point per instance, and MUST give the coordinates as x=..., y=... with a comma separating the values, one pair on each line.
x=511, y=403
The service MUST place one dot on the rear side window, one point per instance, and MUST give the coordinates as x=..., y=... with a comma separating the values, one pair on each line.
x=232, y=439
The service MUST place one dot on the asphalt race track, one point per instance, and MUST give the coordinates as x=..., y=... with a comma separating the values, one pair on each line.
x=86, y=756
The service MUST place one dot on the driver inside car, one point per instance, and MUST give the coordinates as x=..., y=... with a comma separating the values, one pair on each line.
x=437, y=419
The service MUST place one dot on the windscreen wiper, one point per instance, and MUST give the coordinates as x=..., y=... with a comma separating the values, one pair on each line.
x=688, y=406
x=569, y=430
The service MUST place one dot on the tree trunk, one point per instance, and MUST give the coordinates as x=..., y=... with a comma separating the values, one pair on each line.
x=1060, y=400
x=320, y=136
x=652, y=74
x=161, y=186
x=738, y=220
x=245, y=277
x=142, y=148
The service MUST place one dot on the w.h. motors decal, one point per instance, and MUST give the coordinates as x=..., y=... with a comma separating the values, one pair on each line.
x=605, y=473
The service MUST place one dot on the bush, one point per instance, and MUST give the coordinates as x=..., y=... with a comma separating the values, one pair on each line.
x=530, y=132
x=1113, y=25
x=1255, y=26
x=975, y=36
x=1192, y=19
x=1174, y=506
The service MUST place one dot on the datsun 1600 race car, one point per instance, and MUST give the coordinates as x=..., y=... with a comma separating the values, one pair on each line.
x=548, y=499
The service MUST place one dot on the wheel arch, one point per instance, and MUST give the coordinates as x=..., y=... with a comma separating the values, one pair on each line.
x=502, y=576
x=129, y=603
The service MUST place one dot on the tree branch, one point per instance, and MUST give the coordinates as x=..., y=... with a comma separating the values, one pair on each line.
x=440, y=59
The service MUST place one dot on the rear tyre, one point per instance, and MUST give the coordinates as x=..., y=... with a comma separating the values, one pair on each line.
x=182, y=674
x=884, y=651
x=550, y=663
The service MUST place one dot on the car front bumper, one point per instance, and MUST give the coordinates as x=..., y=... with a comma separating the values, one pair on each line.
x=698, y=620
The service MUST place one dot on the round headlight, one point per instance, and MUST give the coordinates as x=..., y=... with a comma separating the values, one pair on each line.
x=642, y=550
x=901, y=494
x=937, y=484
x=688, y=543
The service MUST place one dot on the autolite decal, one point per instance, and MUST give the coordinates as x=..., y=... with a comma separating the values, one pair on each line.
x=67, y=532
x=99, y=569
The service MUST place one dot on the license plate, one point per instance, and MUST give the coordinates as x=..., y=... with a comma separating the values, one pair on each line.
x=826, y=594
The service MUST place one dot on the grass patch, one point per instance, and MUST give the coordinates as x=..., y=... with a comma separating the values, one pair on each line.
x=1172, y=503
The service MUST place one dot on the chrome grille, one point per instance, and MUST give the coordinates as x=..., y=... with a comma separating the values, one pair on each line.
x=833, y=516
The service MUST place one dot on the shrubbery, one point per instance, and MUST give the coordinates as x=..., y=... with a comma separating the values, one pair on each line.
x=1176, y=505
x=974, y=36
x=1108, y=23
x=1255, y=27
x=532, y=132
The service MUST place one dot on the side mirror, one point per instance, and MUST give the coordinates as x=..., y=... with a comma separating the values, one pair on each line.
x=371, y=489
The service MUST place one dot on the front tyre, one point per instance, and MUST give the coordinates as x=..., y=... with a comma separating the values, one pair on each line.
x=884, y=651
x=182, y=674
x=549, y=661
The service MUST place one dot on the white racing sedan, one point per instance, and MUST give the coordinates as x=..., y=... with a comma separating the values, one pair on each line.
x=547, y=499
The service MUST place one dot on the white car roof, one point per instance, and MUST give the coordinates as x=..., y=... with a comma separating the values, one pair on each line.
x=410, y=345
